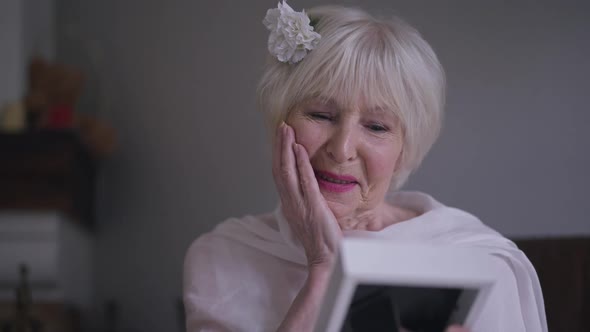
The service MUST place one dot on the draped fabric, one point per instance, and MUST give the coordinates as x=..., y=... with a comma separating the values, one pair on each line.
x=244, y=274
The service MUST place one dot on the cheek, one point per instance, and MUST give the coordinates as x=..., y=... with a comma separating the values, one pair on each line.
x=310, y=136
x=382, y=163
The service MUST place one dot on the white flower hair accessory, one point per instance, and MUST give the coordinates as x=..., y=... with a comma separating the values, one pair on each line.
x=291, y=34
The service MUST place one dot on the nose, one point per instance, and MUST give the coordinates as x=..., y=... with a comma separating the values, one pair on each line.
x=342, y=143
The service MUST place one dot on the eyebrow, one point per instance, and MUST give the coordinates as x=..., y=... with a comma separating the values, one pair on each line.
x=332, y=103
x=324, y=102
x=378, y=110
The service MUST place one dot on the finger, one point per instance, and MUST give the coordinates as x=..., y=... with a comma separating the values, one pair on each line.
x=276, y=155
x=307, y=180
x=278, y=170
x=288, y=170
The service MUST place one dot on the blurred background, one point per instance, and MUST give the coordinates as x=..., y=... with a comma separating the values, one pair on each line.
x=130, y=128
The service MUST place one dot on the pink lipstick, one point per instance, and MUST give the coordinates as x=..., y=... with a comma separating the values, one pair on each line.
x=334, y=182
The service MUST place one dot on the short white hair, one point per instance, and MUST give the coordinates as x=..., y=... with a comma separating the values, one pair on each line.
x=385, y=62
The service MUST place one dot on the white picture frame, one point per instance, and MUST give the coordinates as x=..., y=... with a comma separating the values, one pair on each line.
x=364, y=261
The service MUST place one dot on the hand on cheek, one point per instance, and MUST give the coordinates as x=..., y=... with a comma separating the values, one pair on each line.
x=303, y=205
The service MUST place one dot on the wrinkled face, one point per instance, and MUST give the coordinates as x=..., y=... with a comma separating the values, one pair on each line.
x=354, y=152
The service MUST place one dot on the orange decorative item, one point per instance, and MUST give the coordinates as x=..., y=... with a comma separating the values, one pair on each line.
x=53, y=92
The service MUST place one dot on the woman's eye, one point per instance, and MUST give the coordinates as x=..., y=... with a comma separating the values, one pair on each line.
x=378, y=128
x=320, y=116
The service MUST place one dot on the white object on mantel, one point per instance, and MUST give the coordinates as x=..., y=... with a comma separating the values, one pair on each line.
x=57, y=252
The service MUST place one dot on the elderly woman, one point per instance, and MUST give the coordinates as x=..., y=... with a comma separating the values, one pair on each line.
x=355, y=103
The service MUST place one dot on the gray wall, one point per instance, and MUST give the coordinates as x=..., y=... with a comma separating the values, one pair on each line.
x=11, y=51
x=26, y=29
x=38, y=28
x=178, y=80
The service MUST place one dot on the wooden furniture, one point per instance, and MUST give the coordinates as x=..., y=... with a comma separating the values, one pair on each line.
x=50, y=172
x=563, y=267
x=54, y=317
x=47, y=170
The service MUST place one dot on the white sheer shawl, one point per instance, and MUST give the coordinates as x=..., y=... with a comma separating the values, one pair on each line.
x=244, y=274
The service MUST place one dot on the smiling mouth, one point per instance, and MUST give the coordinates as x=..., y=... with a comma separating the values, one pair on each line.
x=334, y=178
x=330, y=182
x=329, y=179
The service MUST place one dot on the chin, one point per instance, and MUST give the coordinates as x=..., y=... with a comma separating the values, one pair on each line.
x=340, y=210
